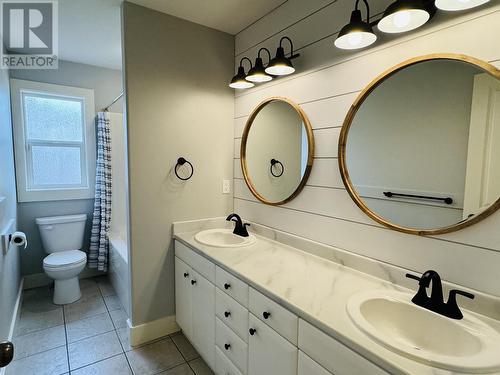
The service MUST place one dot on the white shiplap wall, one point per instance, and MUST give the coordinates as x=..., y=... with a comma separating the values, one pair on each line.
x=326, y=83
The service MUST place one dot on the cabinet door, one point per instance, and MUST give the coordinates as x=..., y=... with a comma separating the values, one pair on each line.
x=308, y=367
x=183, y=274
x=268, y=352
x=203, y=323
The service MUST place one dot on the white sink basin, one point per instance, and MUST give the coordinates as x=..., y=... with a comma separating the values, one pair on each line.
x=391, y=319
x=223, y=238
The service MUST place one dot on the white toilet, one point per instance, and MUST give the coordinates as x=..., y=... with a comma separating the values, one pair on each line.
x=62, y=239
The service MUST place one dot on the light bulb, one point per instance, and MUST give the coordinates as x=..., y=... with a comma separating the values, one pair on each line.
x=402, y=19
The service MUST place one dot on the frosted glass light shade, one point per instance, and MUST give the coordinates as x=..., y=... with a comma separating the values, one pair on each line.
x=355, y=40
x=457, y=5
x=403, y=20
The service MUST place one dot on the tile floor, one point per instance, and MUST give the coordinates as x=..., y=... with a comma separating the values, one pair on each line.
x=90, y=336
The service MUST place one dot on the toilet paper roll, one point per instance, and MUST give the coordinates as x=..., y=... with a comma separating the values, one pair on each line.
x=19, y=239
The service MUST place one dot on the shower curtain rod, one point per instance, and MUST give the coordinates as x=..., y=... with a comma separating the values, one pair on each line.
x=113, y=102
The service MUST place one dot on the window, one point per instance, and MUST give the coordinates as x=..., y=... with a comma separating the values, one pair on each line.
x=54, y=141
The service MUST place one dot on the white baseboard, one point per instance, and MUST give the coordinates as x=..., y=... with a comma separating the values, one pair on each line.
x=152, y=330
x=37, y=280
x=15, y=316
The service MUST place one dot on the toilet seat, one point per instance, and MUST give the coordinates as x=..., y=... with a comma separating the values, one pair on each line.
x=64, y=259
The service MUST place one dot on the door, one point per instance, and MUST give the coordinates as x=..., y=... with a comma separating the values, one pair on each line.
x=268, y=352
x=203, y=317
x=10, y=278
x=183, y=296
x=482, y=181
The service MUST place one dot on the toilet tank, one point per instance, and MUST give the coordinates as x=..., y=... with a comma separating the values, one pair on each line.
x=61, y=233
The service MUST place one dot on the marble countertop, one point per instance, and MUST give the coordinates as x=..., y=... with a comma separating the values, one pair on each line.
x=315, y=289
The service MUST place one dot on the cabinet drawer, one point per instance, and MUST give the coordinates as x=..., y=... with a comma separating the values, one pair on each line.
x=203, y=266
x=223, y=366
x=232, y=314
x=332, y=355
x=231, y=345
x=308, y=367
x=274, y=315
x=232, y=286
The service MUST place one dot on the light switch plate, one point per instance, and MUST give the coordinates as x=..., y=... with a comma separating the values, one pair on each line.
x=226, y=186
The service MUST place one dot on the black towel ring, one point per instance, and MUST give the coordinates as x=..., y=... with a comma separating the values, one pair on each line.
x=273, y=163
x=182, y=161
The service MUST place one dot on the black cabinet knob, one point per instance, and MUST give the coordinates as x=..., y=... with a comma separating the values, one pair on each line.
x=193, y=282
x=6, y=353
x=227, y=286
x=227, y=346
x=252, y=331
x=186, y=274
x=266, y=314
x=226, y=314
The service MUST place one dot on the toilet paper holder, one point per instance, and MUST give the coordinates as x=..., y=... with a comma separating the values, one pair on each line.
x=10, y=235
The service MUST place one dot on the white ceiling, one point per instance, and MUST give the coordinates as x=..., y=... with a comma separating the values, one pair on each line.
x=230, y=16
x=90, y=30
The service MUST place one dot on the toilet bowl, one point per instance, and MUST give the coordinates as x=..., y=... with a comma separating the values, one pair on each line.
x=64, y=267
x=62, y=239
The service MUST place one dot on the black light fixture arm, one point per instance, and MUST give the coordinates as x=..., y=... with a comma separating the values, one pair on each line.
x=268, y=53
x=356, y=7
x=292, y=55
x=246, y=59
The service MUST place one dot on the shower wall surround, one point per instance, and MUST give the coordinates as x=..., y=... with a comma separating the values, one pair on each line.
x=327, y=82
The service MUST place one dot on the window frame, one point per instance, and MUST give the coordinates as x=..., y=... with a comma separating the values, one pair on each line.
x=26, y=190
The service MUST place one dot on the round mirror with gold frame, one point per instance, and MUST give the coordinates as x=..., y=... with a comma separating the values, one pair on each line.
x=277, y=151
x=419, y=150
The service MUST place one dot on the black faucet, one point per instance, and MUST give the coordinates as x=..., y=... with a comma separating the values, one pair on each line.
x=240, y=228
x=435, y=302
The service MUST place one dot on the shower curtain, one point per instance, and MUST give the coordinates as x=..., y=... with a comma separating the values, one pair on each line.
x=99, y=241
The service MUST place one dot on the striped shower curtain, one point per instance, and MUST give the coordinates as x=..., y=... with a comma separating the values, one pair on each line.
x=99, y=241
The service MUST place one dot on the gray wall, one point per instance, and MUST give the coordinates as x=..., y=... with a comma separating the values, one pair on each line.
x=107, y=84
x=178, y=104
x=9, y=263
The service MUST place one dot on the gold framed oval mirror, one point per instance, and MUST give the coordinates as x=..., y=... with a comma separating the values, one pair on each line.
x=419, y=150
x=277, y=151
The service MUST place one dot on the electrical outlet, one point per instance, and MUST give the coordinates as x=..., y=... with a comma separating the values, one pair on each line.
x=226, y=186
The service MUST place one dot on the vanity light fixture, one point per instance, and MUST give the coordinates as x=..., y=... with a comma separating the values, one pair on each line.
x=282, y=65
x=239, y=82
x=457, y=5
x=405, y=15
x=258, y=72
x=357, y=33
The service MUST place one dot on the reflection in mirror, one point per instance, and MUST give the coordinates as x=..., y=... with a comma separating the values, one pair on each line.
x=277, y=151
x=423, y=149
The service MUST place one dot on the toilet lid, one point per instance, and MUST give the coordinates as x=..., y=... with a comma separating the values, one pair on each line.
x=64, y=258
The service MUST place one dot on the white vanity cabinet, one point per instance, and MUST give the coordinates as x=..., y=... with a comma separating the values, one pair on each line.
x=240, y=331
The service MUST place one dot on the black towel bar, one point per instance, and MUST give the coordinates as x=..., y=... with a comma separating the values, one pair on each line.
x=390, y=194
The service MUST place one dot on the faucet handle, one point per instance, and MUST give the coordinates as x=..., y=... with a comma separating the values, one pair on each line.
x=410, y=276
x=454, y=292
x=451, y=309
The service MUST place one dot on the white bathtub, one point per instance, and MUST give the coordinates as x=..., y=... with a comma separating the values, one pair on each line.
x=118, y=269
